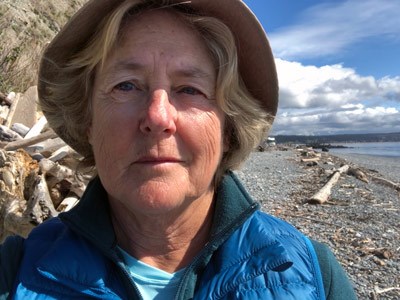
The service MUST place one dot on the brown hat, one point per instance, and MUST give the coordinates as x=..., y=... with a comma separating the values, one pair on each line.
x=256, y=62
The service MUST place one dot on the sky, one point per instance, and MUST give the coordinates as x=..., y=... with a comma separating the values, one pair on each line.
x=338, y=64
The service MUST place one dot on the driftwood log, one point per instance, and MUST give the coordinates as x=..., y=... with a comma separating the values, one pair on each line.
x=30, y=141
x=385, y=182
x=323, y=194
x=357, y=173
x=312, y=159
x=24, y=200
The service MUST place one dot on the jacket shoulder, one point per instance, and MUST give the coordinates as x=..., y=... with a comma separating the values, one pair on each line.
x=58, y=263
x=264, y=258
x=10, y=258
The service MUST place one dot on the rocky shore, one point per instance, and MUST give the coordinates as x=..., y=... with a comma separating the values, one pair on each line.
x=359, y=221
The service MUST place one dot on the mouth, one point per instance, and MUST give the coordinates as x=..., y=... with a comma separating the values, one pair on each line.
x=158, y=160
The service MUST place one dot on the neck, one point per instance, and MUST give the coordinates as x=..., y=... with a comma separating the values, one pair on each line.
x=168, y=242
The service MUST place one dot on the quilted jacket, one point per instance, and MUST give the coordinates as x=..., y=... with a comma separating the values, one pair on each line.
x=250, y=255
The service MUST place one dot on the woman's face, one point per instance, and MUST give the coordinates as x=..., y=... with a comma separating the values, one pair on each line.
x=156, y=132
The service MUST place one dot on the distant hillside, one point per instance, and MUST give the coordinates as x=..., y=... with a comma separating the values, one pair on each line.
x=26, y=26
x=341, y=138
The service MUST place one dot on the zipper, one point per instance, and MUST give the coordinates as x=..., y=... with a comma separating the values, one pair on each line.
x=114, y=257
x=213, y=243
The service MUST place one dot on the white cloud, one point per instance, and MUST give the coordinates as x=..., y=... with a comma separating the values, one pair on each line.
x=390, y=88
x=334, y=99
x=352, y=106
x=331, y=27
x=360, y=119
x=330, y=86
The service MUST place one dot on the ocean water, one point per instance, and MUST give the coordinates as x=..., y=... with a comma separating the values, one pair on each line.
x=389, y=149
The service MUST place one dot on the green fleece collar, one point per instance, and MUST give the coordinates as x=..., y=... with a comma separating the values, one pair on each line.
x=91, y=217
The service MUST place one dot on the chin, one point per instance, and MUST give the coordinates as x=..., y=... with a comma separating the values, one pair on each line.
x=158, y=198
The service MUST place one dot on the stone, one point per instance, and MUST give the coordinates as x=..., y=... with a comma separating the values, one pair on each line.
x=20, y=128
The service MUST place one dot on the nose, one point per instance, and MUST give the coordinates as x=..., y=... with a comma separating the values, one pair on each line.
x=160, y=115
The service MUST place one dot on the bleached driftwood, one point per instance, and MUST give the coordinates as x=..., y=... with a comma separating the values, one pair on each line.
x=37, y=172
x=50, y=134
x=68, y=203
x=61, y=177
x=40, y=207
x=11, y=112
x=323, y=194
x=312, y=159
x=357, y=173
x=37, y=128
x=22, y=215
x=24, y=197
x=47, y=147
x=385, y=182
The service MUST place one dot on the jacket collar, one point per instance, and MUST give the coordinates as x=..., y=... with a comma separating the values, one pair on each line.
x=91, y=217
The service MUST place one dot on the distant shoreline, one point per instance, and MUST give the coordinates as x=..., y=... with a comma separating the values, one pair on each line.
x=375, y=149
x=338, y=139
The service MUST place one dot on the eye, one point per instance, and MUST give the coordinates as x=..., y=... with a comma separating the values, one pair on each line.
x=190, y=91
x=125, y=86
x=126, y=91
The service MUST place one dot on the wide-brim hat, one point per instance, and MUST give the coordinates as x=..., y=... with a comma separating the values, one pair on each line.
x=256, y=62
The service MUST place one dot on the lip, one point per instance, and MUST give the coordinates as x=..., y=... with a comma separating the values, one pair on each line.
x=158, y=160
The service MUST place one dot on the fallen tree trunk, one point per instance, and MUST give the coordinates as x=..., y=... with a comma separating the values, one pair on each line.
x=323, y=194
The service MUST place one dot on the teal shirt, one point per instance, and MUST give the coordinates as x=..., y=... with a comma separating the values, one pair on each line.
x=153, y=283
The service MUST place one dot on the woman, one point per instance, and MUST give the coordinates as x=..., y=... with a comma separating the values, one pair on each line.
x=164, y=99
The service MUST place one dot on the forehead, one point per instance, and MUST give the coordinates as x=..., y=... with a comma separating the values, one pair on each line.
x=162, y=21
x=161, y=32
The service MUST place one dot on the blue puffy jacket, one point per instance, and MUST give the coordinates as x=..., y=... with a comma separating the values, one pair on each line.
x=250, y=255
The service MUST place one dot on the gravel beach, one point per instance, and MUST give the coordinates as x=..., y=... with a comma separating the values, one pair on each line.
x=359, y=221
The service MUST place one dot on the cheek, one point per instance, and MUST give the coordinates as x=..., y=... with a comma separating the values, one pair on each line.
x=112, y=120
x=208, y=135
x=105, y=134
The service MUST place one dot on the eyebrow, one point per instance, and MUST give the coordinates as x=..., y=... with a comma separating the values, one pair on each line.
x=185, y=71
x=191, y=71
x=123, y=65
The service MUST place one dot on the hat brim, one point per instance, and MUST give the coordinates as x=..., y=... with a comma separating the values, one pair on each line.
x=256, y=61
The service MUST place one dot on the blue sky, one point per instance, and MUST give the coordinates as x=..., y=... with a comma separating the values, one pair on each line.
x=338, y=64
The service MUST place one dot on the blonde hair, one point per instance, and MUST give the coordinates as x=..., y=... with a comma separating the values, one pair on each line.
x=68, y=106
